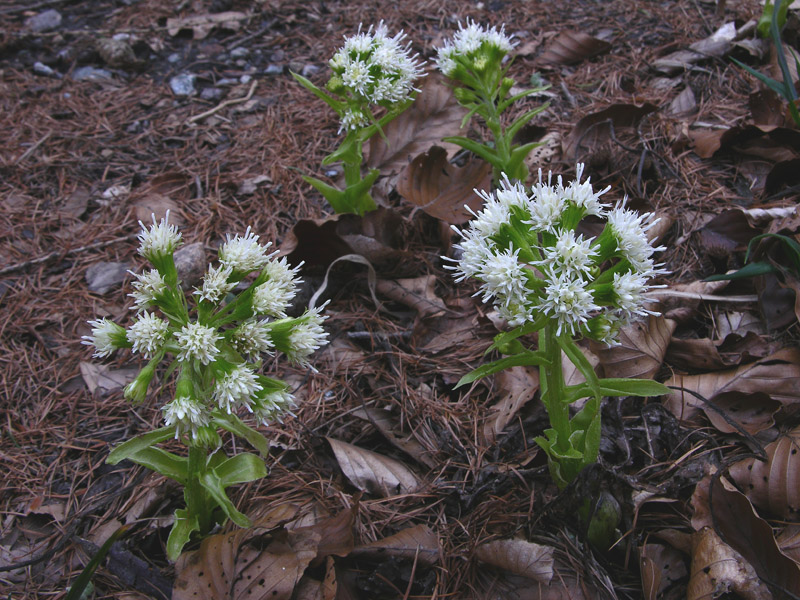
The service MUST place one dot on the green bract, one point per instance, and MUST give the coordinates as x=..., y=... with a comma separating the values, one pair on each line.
x=214, y=346
x=544, y=277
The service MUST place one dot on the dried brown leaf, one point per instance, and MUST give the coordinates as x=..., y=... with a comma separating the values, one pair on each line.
x=372, y=472
x=414, y=543
x=434, y=115
x=643, y=345
x=777, y=375
x=752, y=412
x=773, y=485
x=520, y=557
x=104, y=378
x=570, y=47
x=388, y=425
x=417, y=293
x=441, y=189
x=752, y=537
x=661, y=567
x=717, y=569
x=201, y=25
x=158, y=204
x=684, y=104
x=517, y=385
x=595, y=129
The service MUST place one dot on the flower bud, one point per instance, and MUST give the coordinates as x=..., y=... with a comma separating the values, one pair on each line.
x=206, y=437
x=506, y=86
x=136, y=390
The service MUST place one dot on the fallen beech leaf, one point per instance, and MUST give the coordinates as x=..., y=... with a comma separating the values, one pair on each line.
x=372, y=472
x=695, y=354
x=335, y=533
x=684, y=104
x=753, y=412
x=435, y=114
x=570, y=47
x=789, y=541
x=595, y=128
x=752, y=537
x=388, y=425
x=520, y=557
x=158, y=204
x=415, y=543
x=104, y=378
x=643, y=345
x=778, y=375
x=201, y=25
x=661, y=567
x=727, y=322
x=417, y=293
x=442, y=190
x=517, y=385
x=717, y=568
x=773, y=485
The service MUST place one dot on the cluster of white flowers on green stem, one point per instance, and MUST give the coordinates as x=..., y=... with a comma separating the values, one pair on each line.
x=544, y=277
x=524, y=249
x=216, y=350
x=474, y=44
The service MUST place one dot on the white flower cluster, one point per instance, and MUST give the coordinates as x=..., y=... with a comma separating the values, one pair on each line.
x=217, y=353
x=523, y=247
x=373, y=68
x=475, y=44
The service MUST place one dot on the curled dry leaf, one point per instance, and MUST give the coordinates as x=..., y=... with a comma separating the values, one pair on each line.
x=595, y=129
x=441, y=189
x=751, y=536
x=752, y=412
x=520, y=557
x=778, y=375
x=158, y=204
x=643, y=345
x=773, y=485
x=417, y=293
x=372, y=472
x=201, y=25
x=104, y=378
x=435, y=114
x=661, y=567
x=517, y=385
x=570, y=47
x=414, y=543
x=388, y=425
x=717, y=569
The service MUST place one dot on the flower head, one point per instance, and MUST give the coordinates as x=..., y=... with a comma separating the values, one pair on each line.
x=273, y=405
x=236, y=388
x=186, y=414
x=570, y=254
x=243, y=254
x=148, y=334
x=629, y=229
x=547, y=205
x=306, y=336
x=504, y=278
x=568, y=300
x=474, y=43
x=215, y=284
x=252, y=338
x=147, y=287
x=159, y=241
x=106, y=337
x=198, y=342
x=582, y=195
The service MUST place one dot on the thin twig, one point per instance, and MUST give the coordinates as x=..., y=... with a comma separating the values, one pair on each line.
x=33, y=148
x=222, y=105
x=57, y=253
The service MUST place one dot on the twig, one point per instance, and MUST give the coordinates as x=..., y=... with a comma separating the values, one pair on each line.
x=56, y=253
x=709, y=297
x=33, y=148
x=222, y=105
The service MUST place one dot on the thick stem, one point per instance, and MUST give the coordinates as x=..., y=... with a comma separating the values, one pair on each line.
x=196, y=503
x=557, y=409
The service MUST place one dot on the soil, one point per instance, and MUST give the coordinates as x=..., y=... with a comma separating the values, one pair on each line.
x=83, y=160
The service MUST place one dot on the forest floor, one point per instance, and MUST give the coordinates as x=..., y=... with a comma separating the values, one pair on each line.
x=113, y=109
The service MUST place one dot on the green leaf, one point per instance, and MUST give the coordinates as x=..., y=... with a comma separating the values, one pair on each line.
x=240, y=469
x=334, y=196
x=180, y=533
x=212, y=484
x=236, y=426
x=632, y=387
x=78, y=587
x=335, y=104
x=750, y=270
x=168, y=464
x=790, y=245
x=772, y=84
x=505, y=338
x=509, y=101
x=482, y=150
x=523, y=359
x=522, y=120
x=578, y=359
x=140, y=442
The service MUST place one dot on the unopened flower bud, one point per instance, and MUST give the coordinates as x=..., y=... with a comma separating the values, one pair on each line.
x=206, y=437
x=136, y=390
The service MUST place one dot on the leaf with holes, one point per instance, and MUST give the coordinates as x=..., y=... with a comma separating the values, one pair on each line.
x=643, y=345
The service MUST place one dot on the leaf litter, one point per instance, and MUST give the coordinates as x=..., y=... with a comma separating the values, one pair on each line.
x=445, y=482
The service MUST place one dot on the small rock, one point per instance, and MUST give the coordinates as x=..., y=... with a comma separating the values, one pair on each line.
x=211, y=93
x=309, y=70
x=227, y=81
x=43, y=69
x=296, y=66
x=240, y=52
x=274, y=70
x=91, y=74
x=173, y=58
x=44, y=21
x=245, y=78
x=249, y=186
x=116, y=193
x=183, y=84
x=190, y=262
x=277, y=56
x=332, y=173
x=103, y=276
x=116, y=53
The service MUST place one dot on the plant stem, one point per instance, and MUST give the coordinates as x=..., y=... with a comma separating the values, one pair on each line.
x=557, y=409
x=195, y=494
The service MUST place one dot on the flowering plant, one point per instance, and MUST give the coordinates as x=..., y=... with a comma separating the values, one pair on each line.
x=216, y=354
x=544, y=277
x=370, y=70
x=473, y=59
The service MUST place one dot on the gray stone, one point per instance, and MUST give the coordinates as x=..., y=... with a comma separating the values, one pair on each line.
x=44, y=21
x=240, y=52
x=309, y=70
x=91, y=74
x=103, y=276
x=274, y=70
x=183, y=84
x=190, y=262
x=211, y=93
x=43, y=69
x=173, y=58
x=227, y=81
x=245, y=78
